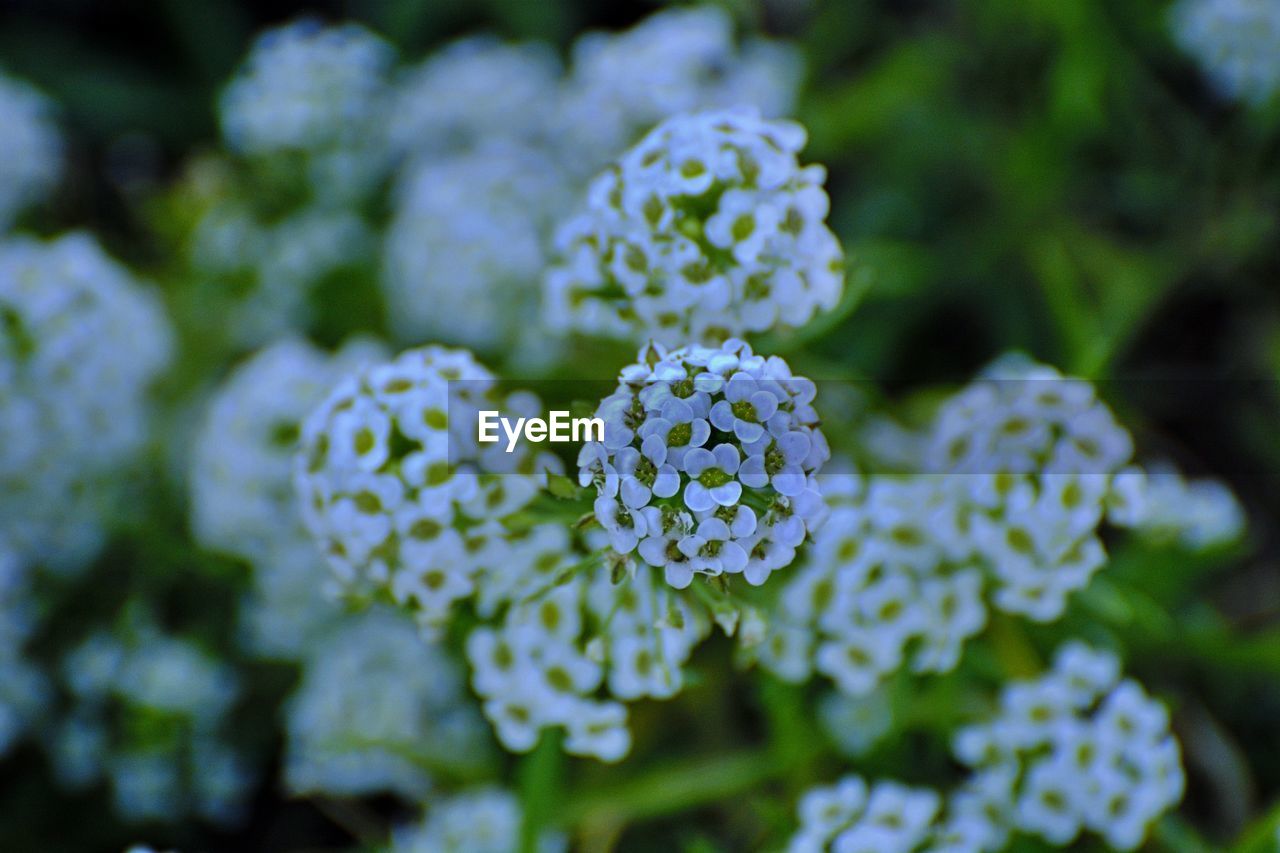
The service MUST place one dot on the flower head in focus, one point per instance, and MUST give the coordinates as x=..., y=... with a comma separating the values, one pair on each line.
x=708, y=228
x=708, y=462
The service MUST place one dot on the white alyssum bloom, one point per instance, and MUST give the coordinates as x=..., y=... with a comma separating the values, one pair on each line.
x=81, y=341
x=708, y=462
x=306, y=89
x=467, y=245
x=242, y=499
x=24, y=687
x=854, y=817
x=479, y=820
x=558, y=651
x=241, y=484
x=1235, y=41
x=378, y=708
x=707, y=228
x=30, y=147
x=1079, y=748
x=879, y=591
x=395, y=488
x=1030, y=457
x=149, y=715
x=1161, y=504
x=679, y=60
x=475, y=90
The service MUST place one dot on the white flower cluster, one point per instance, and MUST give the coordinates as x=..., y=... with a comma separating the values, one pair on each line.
x=555, y=651
x=878, y=589
x=378, y=710
x=1161, y=504
x=1020, y=470
x=466, y=247
x=315, y=91
x=266, y=272
x=242, y=498
x=707, y=228
x=1078, y=748
x=80, y=342
x=679, y=60
x=481, y=820
x=475, y=90
x=708, y=462
x=24, y=690
x=394, y=485
x=30, y=148
x=1235, y=41
x=149, y=716
x=495, y=146
x=1029, y=458
x=853, y=817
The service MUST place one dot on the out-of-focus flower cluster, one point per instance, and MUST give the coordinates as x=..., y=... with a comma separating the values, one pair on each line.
x=1030, y=456
x=879, y=589
x=149, y=715
x=395, y=486
x=887, y=817
x=1235, y=42
x=242, y=498
x=1078, y=748
x=486, y=176
x=24, y=688
x=317, y=94
x=552, y=655
x=1010, y=489
x=677, y=61
x=30, y=148
x=1159, y=503
x=468, y=234
x=379, y=710
x=81, y=341
x=481, y=820
x=708, y=461
x=706, y=229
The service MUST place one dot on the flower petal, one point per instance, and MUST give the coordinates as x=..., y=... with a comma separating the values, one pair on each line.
x=728, y=494
x=697, y=497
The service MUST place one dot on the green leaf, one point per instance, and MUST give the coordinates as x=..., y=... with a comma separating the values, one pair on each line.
x=562, y=487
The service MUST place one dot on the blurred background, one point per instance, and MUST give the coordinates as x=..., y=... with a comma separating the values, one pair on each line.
x=1068, y=179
